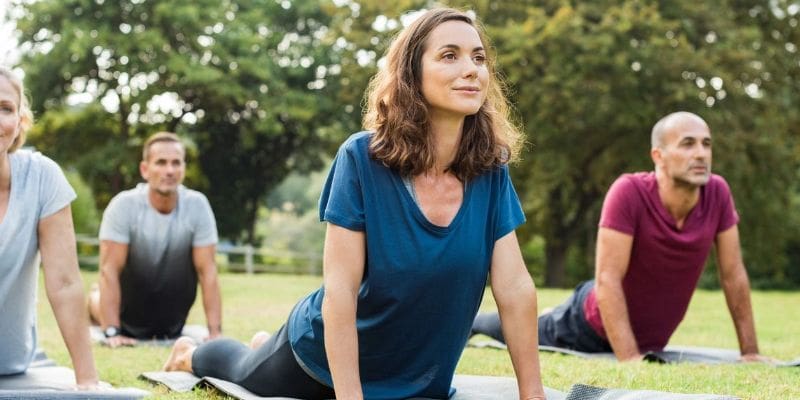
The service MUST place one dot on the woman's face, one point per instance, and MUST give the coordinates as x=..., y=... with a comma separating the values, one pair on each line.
x=454, y=72
x=9, y=114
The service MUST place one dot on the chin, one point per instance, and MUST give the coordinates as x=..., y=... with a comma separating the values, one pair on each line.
x=167, y=191
x=692, y=181
x=699, y=181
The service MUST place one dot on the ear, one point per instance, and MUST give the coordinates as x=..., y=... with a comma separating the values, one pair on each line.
x=143, y=169
x=655, y=155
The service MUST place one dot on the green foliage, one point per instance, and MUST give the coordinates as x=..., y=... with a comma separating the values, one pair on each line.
x=84, y=213
x=251, y=83
x=265, y=88
x=590, y=79
x=291, y=222
x=298, y=193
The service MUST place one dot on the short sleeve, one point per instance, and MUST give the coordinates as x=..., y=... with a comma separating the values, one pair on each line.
x=509, y=208
x=56, y=192
x=620, y=207
x=205, y=233
x=728, y=215
x=342, y=200
x=114, y=225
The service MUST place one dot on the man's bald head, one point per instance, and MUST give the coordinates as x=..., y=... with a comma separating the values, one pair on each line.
x=671, y=123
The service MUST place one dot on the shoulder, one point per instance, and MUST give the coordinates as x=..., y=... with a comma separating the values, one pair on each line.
x=631, y=190
x=130, y=197
x=35, y=161
x=499, y=173
x=357, y=143
x=718, y=184
x=631, y=183
x=192, y=198
x=636, y=179
x=354, y=153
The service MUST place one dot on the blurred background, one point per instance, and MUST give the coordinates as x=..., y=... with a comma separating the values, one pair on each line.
x=264, y=91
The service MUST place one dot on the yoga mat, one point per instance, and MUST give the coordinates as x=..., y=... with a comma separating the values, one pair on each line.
x=197, y=332
x=45, y=380
x=670, y=354
x=586, y=392
x=468, y=387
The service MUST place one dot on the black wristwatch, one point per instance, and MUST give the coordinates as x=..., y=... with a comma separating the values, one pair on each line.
x=111, y=331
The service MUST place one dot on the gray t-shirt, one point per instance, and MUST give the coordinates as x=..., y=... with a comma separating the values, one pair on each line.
x=38, y=190
x=159, y=282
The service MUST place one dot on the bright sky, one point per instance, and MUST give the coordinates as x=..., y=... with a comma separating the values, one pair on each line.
x=8, y=44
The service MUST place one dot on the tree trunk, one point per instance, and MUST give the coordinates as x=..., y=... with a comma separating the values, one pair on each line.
x=555, y=252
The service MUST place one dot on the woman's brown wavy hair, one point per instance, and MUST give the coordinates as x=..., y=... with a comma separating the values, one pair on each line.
x=399, y=115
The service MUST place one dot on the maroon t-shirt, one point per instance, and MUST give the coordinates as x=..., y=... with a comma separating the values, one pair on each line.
x=666, y=262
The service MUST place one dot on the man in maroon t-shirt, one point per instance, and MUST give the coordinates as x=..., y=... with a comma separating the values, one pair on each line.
x=656, y=230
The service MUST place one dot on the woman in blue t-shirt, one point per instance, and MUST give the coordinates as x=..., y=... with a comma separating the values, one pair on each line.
x=35, y=218
x=420, y=209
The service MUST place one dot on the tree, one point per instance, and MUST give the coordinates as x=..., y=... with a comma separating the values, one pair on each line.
x=250, y=83
x=590, y=80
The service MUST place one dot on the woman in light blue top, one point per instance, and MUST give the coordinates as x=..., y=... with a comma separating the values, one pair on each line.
x=35, y=218
x=420, y=209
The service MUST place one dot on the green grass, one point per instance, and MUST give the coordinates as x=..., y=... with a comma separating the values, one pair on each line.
x=262, y=302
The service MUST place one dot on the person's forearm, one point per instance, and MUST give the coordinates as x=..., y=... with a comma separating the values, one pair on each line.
x=212, y=304
x=520, y=329
x=110, y=298
x=69, y=307
x=614, y=312
x=341, y=345
x=737, y=296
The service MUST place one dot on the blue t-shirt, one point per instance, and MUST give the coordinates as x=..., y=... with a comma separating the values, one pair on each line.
x=38, y=190
x=422, y=283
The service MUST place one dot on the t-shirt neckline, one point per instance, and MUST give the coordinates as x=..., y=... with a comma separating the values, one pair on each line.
x=420, y=216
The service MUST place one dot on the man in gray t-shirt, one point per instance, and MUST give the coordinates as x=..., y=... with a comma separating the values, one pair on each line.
x=157, y=241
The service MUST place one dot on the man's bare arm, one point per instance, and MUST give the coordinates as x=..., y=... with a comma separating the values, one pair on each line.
x=736, y=286
x=613, y=256
x=206, y=266
x=113, y=256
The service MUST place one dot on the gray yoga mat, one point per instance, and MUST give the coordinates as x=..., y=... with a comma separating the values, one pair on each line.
x=45, y=380
x=586, y=392
x=197, y=332
x=468, y=387
x=670, y=354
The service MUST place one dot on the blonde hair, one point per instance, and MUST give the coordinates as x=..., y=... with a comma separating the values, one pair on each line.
x=159, y=137
x=398, y=113
x=23, y=108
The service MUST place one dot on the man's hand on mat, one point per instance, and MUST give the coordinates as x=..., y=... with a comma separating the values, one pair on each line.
x=92, y=386
x=638, y=357
x=120, y=340
x=755, y=357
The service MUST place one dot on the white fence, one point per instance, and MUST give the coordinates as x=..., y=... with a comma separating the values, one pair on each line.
x=245, y=258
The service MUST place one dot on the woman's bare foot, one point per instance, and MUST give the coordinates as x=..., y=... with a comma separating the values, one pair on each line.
x=258, y=339
x=180, y=359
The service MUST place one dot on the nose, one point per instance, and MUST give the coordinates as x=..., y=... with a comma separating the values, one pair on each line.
x=470, y=69
x=702, y=151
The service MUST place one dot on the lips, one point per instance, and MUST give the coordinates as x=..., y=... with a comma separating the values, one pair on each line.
x=699, y=168
x=468, y=89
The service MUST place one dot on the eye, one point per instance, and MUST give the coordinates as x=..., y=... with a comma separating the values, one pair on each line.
x=449, y=56
x=479, y=59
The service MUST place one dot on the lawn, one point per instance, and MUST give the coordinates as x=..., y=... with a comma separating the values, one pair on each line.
x=262, y=302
